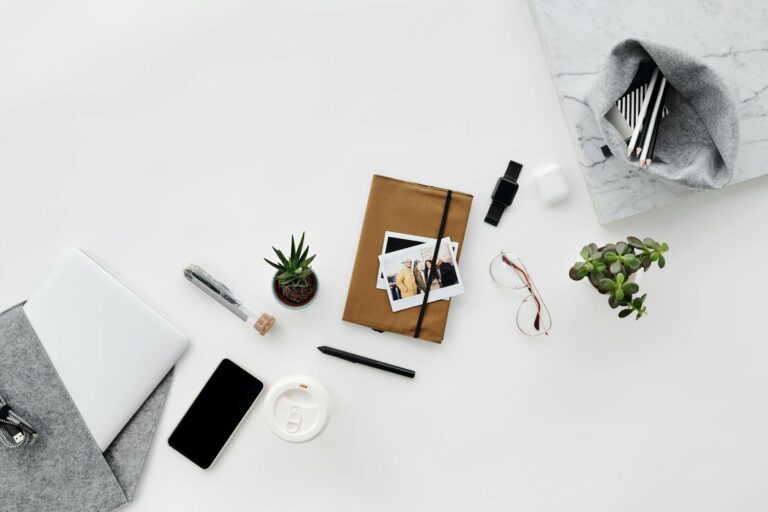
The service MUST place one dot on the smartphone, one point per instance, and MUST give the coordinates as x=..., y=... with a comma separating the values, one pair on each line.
x=215, y=414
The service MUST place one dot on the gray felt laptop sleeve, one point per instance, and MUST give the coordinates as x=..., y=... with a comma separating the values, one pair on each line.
x=64, y=470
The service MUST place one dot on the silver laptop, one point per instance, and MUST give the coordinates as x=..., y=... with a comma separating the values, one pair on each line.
x=109, y=347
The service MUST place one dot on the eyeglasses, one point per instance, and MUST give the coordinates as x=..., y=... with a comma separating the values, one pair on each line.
x=533, y=318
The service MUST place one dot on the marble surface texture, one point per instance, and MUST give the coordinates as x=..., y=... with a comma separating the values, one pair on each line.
x=731, y=37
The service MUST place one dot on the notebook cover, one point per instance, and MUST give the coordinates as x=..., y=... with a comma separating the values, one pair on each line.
x=404, y=207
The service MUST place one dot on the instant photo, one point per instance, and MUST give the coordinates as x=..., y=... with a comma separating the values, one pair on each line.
x=398, y=241
x=408, y=272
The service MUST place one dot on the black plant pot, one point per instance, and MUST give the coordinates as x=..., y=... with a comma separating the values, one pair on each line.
x=293, y=299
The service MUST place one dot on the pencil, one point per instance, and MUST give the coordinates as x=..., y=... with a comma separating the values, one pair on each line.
x=654, y=122
x=655, y=134
x=647, y=120
x=641, y=115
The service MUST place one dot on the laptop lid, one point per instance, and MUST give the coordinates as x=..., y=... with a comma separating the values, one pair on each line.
x=110, y=348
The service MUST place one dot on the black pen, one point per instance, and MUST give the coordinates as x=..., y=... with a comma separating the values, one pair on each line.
x=354, y=358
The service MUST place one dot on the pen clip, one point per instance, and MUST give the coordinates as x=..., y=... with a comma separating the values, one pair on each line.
x=217, y=287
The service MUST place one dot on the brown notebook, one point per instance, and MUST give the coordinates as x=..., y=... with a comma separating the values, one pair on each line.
x=404, y=207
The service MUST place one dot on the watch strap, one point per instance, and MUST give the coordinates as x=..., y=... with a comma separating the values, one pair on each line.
x=494, y=213
x=513, y=170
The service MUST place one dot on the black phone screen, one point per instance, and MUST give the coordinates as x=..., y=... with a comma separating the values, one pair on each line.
x=215, y=413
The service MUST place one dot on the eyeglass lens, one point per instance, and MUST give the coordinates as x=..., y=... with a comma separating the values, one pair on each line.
x=533, y=318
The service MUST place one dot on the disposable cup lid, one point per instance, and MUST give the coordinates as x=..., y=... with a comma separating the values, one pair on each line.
x=298, y=408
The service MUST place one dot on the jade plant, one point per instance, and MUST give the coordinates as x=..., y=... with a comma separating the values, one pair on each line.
x=610, y=268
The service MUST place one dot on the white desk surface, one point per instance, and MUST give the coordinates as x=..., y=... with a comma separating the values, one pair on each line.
x=154, y=134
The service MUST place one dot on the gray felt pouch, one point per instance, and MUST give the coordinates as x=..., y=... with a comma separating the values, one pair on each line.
x=698, y=139
x=64, y=469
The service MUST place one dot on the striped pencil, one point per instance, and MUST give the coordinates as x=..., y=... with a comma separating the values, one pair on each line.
x=653, y=123
x=642, y=116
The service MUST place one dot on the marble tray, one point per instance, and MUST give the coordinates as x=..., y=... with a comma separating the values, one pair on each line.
x=732, y=37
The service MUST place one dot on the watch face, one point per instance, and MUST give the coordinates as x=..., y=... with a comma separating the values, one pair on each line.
x=505, y=191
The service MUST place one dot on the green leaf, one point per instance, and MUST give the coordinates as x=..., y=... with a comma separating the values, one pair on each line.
x=606, y=285
x=575, y=274
x=615, y=267
x=585, y=252
x=634, y=264
x=662, y=261
x=650, y=242
x=619, y=293
x=584, y=271
x=304, y=254
x=625, y=313
x=595, y=277
x=301, y=243
x=599, y=266
x=635, y=242
x=620, y=280
x=630, y=288
x=306, y=263
x=293, y=248
x=278, y=267
x=621, y=248
x=610, y=257
x=654, y=256
x=282, y=257
x=664, y=247
x=613, y=302
x=630, y=257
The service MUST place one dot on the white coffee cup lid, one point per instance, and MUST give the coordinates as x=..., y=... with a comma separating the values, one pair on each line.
x=298, y=408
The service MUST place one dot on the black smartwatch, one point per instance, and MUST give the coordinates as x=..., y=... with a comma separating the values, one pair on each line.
x=504, y=193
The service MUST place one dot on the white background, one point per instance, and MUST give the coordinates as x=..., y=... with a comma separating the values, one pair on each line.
x=157, y=133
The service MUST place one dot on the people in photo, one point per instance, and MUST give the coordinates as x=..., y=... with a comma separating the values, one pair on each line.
x=393, y=289
x=418, y=275
x=435, y=283
x=447, y=273
x=406, y=283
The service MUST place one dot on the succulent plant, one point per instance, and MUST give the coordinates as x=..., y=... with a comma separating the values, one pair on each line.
x=610, y=267
x=293, y=272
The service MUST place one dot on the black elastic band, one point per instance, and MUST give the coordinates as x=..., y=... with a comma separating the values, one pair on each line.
x=433, y=268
